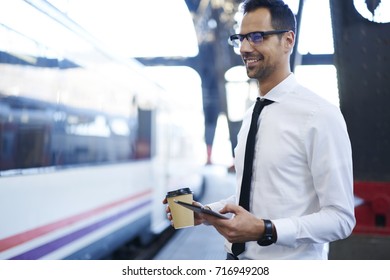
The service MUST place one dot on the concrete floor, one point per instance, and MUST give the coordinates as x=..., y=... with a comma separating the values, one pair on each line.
x=361, y=247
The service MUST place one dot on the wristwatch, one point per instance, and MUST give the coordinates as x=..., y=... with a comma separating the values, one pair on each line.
x=268, y=237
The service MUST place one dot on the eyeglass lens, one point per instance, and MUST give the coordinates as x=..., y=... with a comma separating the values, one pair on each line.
x=253, y=37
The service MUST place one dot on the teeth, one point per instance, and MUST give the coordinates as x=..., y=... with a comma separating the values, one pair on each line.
x=252, y=60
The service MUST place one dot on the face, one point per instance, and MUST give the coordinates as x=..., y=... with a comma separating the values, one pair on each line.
x=268, y=59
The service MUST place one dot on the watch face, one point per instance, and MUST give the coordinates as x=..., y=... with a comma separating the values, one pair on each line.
x=265, y=241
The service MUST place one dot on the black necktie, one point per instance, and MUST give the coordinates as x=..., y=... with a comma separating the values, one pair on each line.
x=238, y=248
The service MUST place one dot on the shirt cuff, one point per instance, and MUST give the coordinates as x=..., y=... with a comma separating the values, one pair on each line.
x=286, y=231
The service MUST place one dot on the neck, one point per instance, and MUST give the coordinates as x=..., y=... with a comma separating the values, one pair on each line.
x=268, y=84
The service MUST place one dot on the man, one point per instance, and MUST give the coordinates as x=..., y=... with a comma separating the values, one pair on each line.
x=301, y=190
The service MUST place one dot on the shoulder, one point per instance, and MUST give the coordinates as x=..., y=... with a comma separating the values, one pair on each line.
x=317, y=115
x=313, y=103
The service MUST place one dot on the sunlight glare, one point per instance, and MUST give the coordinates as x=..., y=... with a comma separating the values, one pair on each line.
x=137, y=29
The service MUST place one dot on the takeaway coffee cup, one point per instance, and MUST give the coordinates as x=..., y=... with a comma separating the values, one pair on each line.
x=181, y=217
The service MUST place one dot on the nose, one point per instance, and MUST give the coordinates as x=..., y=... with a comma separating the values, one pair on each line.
x=245, y=46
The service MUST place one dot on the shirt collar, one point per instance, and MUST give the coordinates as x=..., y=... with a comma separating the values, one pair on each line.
x=279, y=91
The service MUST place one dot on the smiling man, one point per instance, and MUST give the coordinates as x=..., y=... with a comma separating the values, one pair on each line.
x=294, y=177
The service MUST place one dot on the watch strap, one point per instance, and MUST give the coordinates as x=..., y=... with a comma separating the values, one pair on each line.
x=268, y=236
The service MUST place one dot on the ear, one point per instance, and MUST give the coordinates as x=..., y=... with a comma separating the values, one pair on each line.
x=289, y=40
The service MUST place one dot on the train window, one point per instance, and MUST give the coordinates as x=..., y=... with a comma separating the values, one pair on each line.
x=96, y=126
x=61, y=108
x=119, y=126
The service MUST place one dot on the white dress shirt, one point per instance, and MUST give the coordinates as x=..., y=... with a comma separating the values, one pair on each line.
x=302, y=174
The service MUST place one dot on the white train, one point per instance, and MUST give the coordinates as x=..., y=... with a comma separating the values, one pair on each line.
x=89, y=146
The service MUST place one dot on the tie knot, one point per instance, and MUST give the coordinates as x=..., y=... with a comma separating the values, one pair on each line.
x=260, y=103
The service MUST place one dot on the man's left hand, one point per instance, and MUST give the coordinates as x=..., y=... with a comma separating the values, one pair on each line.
x=243, y=227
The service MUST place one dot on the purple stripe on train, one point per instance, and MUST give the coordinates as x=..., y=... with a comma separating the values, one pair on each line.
x=47, y=248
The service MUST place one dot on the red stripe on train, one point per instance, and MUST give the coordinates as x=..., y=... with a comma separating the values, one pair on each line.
x=23, y=237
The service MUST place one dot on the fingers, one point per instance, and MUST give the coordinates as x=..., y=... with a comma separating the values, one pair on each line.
x=198, y=218
x=167, y=209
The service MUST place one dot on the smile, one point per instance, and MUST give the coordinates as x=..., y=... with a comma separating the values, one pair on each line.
x=249, y=61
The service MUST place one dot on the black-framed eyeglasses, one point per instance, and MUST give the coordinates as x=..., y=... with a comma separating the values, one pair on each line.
x=254, y=38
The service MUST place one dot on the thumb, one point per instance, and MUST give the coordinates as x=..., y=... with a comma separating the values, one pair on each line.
x=231, y=208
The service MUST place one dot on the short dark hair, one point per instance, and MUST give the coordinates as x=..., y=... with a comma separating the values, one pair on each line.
x=282, y=18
